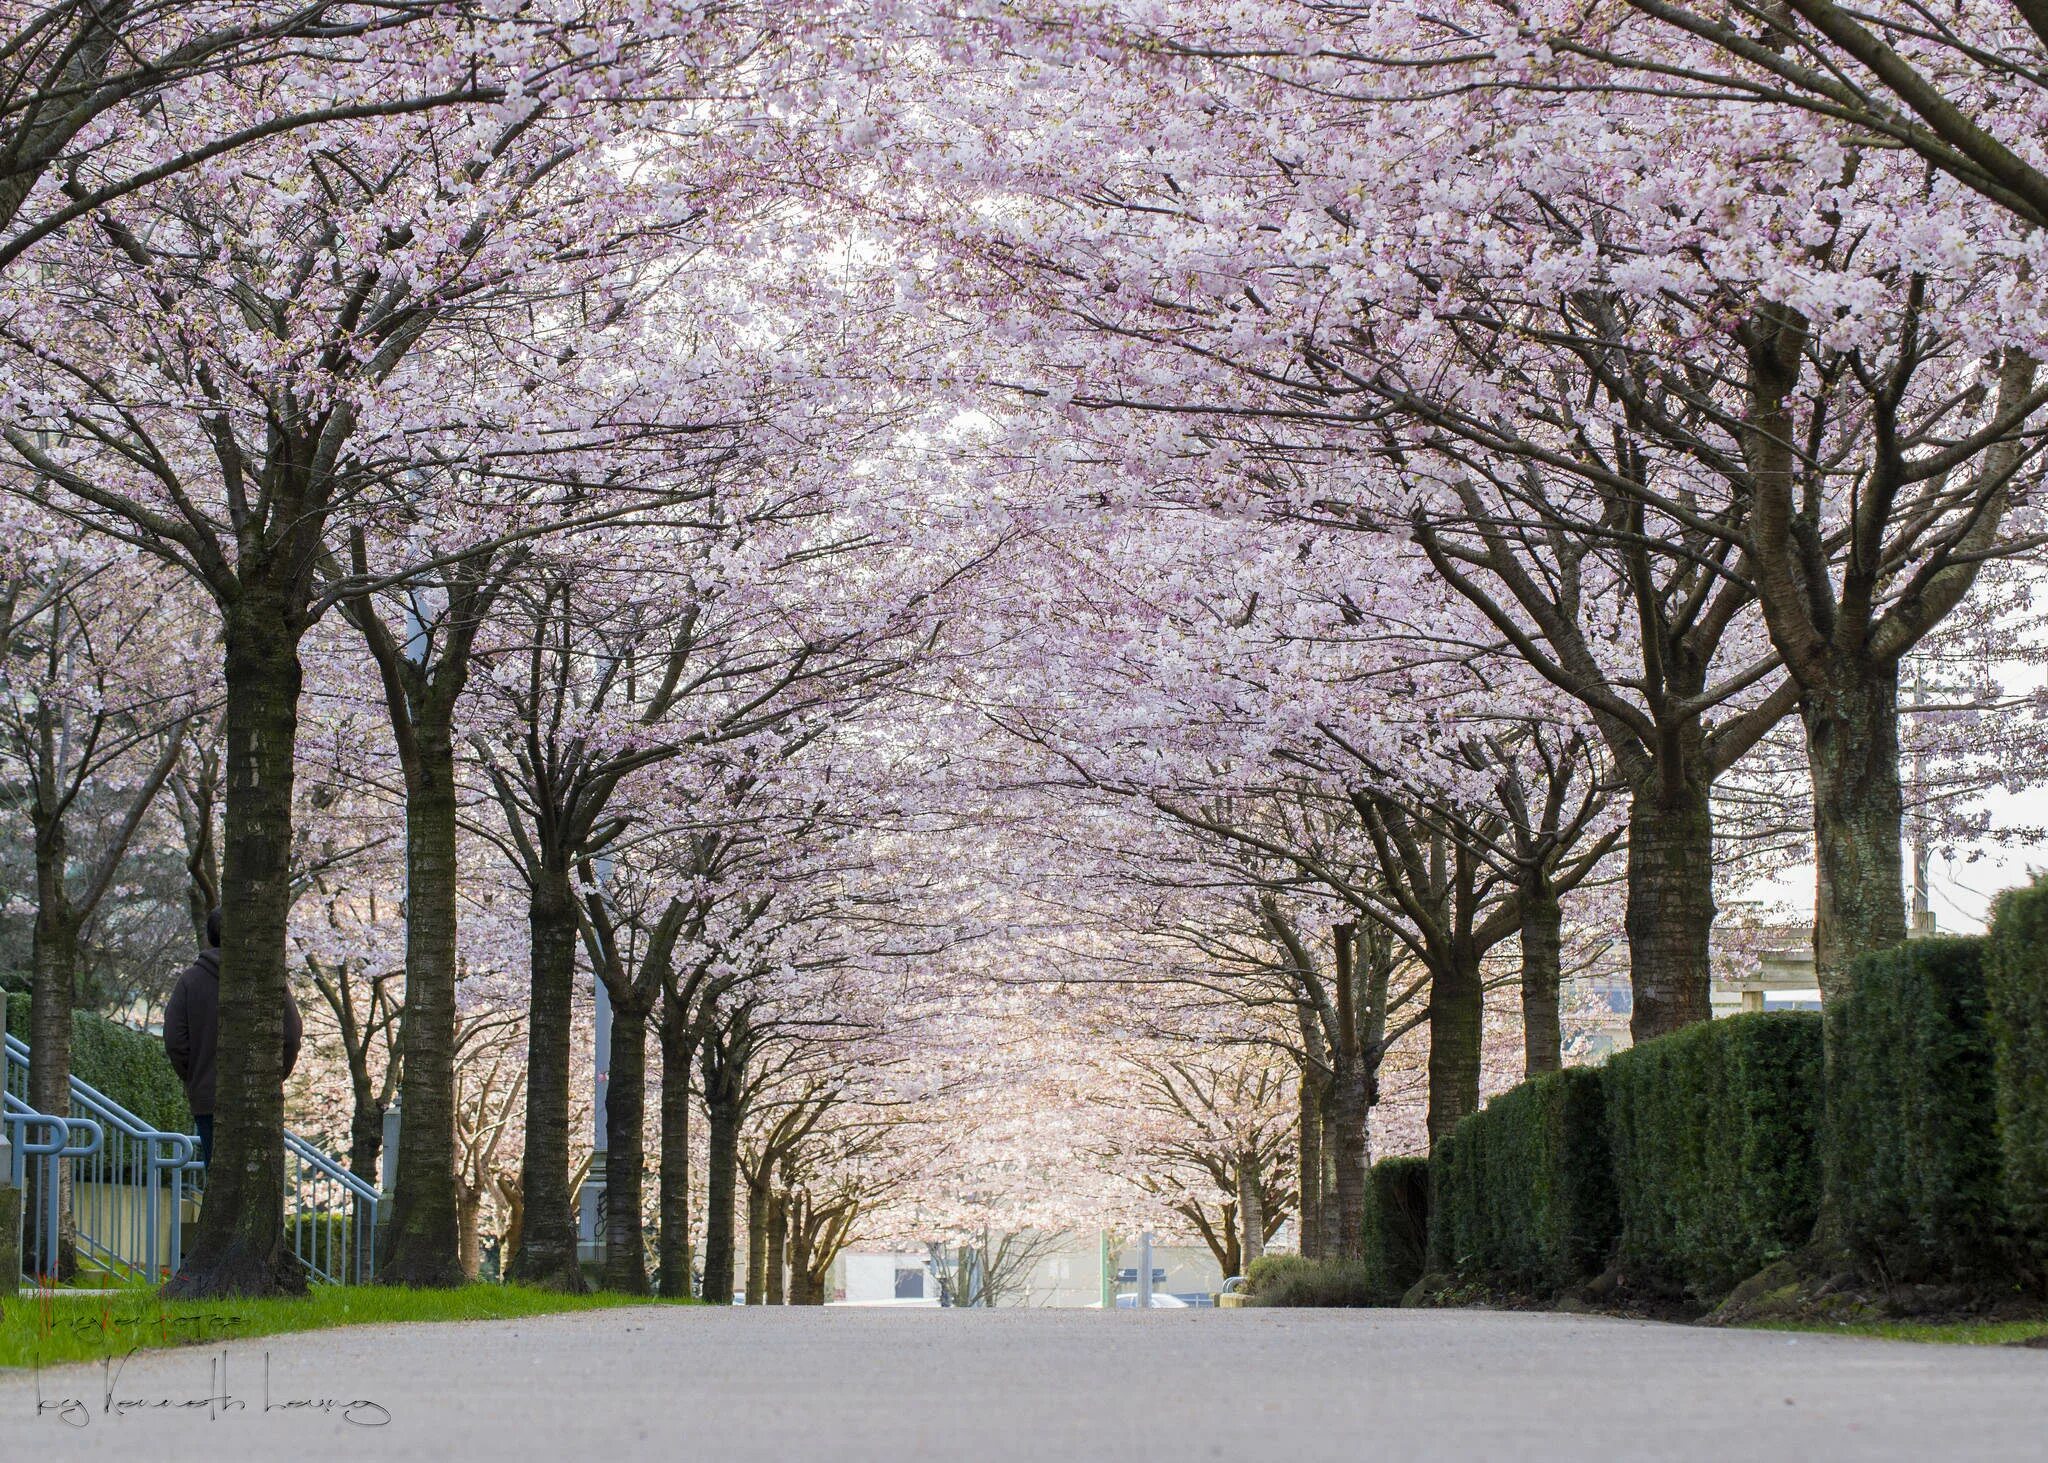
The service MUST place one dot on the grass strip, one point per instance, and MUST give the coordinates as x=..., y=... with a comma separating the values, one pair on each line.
x=65, y=1328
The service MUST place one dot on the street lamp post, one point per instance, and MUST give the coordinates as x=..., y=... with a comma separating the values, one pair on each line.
x=590, y=1199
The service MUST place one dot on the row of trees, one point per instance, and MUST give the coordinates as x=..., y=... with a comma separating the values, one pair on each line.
x=1213, y=541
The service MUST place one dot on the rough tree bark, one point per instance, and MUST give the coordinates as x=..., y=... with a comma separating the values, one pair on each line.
x=1310, y=1138
x=777, y=1247
x=54, y=959
x=724, y=1114
x=547, y=1250
x=1350, y=1103
x=1670, y=902
x=1456, y=1010
x=422, y=1243
x=625, y=1109
x=757, y=1239
x=678, y=1052
x=1251, y=1209
x=240, y=1247
x=1542, y=941
x=799, y=1252
x=1852, y=748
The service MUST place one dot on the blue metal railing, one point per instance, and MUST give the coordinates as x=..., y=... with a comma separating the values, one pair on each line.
x=129, y=1191
x=62, y=1138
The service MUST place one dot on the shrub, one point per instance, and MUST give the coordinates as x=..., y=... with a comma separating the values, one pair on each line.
x=327, y=1240
x=2016, y=984
x=1271, y=1269
x=129, y=1066
x=1912, y=1161
x=1713, y=1130
x=1397, y=1224
x=1315, y=1283
x=1521, y=1195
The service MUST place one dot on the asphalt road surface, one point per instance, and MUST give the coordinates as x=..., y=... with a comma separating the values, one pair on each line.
x=841, y=1383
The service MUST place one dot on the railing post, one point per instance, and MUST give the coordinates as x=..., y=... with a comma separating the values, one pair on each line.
x=10, y=1196
x=385, y=1201
x=6, y=1156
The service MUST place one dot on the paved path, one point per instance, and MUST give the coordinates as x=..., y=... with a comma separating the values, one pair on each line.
x=1039, y=1386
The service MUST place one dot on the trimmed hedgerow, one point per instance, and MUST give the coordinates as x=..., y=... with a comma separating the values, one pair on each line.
x=1911, y=1151
x=1270, y=1269
x=1522, y=1195
x=1396, y=1224
x=129, y=1066
x=1714, y=1132
x=2016, y=982
x=1316, y=1283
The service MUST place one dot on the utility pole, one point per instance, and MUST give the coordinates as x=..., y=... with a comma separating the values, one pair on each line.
x=1145, y=1271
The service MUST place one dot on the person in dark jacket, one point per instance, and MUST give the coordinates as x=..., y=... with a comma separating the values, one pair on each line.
x=192, y=1032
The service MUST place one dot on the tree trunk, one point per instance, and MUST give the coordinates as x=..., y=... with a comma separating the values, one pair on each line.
x=469, y=1241
x=1670, y=903
x=1350, y=1103
x=1542, y=953
x=54, y=966
x=720, y=1181
x=757, y=1240
x=422, y=1241
x=1251, y=1209
x=513, y=1233
x=1456, y=1011
x=202, y=857
x=1311, y=1141
x=240, y=1247
x=625, y=1111
x=799, y=1254
x=1852, y=751
x=778, y=1243
x=815, y=1276
x=678, y=1051
x=1326, y=1186
x=547, y=1249
x=365, y=1131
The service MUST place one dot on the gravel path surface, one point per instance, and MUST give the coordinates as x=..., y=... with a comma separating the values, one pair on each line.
x=842, y=1383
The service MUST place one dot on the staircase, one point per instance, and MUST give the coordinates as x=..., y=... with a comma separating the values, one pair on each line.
x=134, y=1189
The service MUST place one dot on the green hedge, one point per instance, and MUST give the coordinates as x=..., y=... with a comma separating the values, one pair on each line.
x=2016, y=981
x=1912, y=1154
x=1714, y=1132
x=1270, y=1269
x=1521, y=1192
x=326, y=1240
x=1396, y=1224
x=127, y=1065
x=1319, y=1283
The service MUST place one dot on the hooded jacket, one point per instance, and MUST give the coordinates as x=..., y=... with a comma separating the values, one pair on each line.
x=192, y=1030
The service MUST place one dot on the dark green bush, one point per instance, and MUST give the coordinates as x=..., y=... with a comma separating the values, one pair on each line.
x=1912, y=1160
x=1522, y=1196
x=2016, y=985
x=1316, y=1283
x=1397, y=1224
x=1714, y=1134
x=326, y=1241
x=127, y=1065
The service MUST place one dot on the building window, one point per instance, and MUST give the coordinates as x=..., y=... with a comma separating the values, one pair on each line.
x=909, y=1284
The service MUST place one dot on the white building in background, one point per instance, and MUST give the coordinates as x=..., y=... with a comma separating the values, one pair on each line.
x=1067, y=1275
